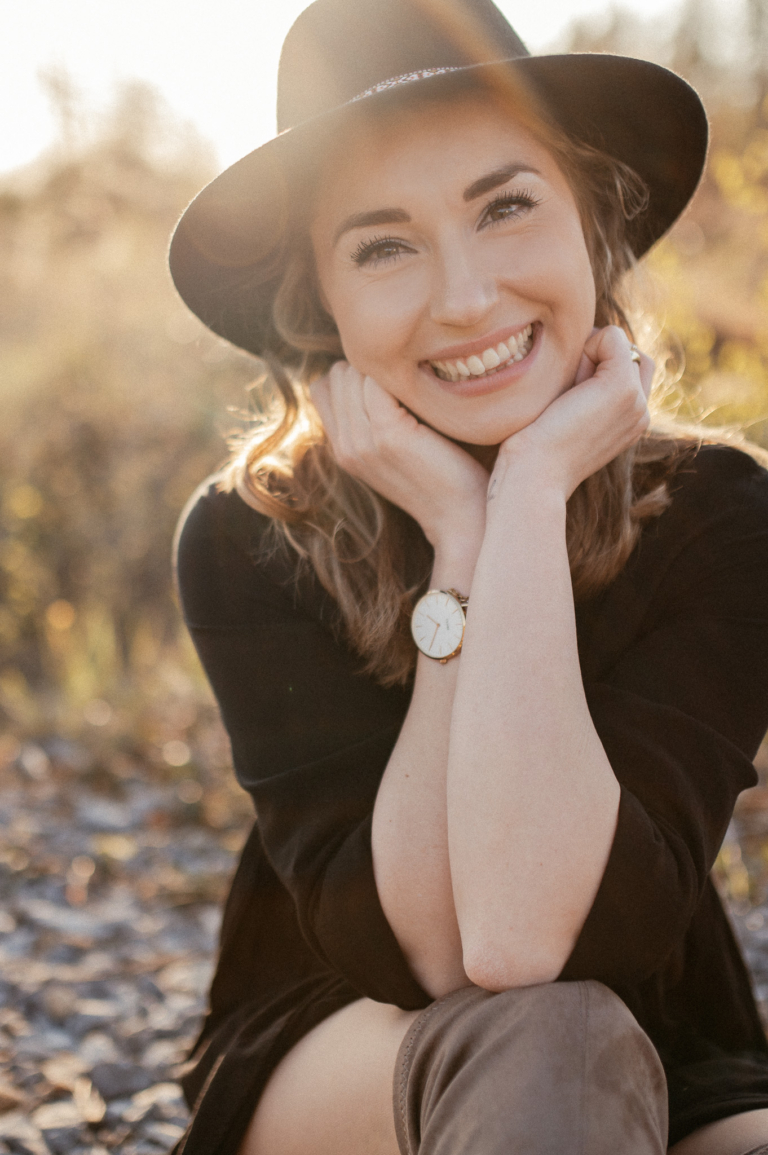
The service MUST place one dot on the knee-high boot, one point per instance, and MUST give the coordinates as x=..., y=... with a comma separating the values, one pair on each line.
x=556, y=1069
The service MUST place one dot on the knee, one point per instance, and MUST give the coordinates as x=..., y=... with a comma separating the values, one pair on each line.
x=571, y=1052
x=550, y=1023
x=588, y=1020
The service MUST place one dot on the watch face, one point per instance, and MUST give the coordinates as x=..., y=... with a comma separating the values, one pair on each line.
x=437, y=624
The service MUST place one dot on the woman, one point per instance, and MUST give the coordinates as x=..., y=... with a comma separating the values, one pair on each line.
x=491, y=652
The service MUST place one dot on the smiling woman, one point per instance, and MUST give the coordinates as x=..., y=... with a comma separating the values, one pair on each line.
x=492, y=651
x=488, y=240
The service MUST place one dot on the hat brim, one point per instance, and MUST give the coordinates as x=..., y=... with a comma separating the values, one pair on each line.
x=226, y=252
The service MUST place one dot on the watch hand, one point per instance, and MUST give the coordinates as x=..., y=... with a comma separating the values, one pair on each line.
x=437, y=627
x=432, y=620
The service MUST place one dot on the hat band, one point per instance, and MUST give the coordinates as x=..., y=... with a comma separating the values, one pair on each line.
x=406, y=78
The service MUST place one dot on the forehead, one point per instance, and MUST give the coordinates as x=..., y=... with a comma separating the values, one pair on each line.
x=435, y=147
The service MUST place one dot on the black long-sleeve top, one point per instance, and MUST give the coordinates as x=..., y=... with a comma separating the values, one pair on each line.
x=674, y=658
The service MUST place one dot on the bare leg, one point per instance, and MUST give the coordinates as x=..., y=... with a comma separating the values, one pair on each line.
x=527, y=1070
x=332, y=1094
x=736, y=1135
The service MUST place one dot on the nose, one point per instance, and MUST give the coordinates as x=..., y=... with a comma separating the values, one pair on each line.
x=463, y=291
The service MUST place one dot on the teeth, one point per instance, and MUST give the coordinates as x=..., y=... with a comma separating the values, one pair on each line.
x=505, y=353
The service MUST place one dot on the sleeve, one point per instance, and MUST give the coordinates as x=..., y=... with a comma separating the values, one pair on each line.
x=310, y=737
x=681, y=714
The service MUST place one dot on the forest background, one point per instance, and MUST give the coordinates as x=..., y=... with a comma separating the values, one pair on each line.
x=116, y=403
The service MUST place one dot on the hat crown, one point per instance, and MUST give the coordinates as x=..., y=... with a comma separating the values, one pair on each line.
x=338, y=49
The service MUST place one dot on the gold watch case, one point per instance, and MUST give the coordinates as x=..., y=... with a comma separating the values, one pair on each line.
x=438, y=623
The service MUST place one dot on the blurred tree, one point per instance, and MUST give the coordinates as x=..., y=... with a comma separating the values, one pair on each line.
x=114, y=399
x=709, y=285
x=757, y=11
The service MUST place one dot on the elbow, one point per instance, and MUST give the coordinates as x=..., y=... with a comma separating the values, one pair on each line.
x=502, y=966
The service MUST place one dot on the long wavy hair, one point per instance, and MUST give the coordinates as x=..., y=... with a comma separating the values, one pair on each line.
x=367, y=553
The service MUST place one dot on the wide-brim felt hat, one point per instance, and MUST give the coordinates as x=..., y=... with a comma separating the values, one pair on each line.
x=342, y=60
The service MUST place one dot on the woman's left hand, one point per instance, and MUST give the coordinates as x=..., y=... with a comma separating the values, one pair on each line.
x=602, y=414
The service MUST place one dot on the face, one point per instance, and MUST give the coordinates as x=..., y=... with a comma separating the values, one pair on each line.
x=450, y=253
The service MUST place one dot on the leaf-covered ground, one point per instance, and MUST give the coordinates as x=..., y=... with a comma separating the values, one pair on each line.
x=112, y=876
x=111, y=886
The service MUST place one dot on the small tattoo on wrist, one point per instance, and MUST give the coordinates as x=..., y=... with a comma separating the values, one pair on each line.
x=492, y=489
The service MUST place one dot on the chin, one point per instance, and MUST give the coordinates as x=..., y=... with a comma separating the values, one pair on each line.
x=487, y=433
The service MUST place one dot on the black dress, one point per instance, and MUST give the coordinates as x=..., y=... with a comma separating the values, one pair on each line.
x=674, y=657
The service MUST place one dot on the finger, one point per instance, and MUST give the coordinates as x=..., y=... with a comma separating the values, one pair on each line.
x=586, y=367
x=585, y=370
x=328, y=394
x=611, y=347
x=647, y=367
x=380, y=405
x=608, y=344
x=353, y=428
x=320, y=393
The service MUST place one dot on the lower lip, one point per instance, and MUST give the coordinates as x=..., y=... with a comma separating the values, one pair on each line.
x=481, y=386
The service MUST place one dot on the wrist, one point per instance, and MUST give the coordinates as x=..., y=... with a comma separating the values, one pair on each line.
x=455, y=562
x=524, y=469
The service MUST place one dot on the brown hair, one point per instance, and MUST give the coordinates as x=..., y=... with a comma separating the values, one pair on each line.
x=368, y=554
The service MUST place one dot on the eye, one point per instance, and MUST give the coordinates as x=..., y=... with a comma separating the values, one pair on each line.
x=379, y=250
x=509, y=205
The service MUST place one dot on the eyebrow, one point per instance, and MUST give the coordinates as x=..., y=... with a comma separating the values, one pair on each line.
x=496, y=178
x=393, y=216
x=366, y=220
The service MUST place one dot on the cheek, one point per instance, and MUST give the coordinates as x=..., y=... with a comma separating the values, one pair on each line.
x=555, y=270
x=577, y=281
x=375, y=323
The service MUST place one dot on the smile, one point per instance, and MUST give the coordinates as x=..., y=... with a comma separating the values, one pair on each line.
x=490, y=361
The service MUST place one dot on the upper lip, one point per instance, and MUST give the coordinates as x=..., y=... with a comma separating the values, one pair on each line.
x=459, y=352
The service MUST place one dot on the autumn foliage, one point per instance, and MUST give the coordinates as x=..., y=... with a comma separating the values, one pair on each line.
x=115, y=400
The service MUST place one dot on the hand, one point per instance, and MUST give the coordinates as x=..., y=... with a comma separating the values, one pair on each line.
x=378, y=441
x=602, y=414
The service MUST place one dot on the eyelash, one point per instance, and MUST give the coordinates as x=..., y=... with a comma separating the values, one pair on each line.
x=523, y=200
x=367, y=250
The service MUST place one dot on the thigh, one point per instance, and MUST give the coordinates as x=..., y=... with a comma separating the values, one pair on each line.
x=332, y=1093
x=735, y=1135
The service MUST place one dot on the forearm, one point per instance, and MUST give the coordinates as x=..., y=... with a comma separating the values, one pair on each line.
x=531, y=797
x=410, y=835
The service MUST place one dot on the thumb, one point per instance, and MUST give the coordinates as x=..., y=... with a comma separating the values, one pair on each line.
x=379, y=404
x=587, y=365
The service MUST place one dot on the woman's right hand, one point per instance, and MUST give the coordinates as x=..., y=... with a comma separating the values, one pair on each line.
x=377, y=440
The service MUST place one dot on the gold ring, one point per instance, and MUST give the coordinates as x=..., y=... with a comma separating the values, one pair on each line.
x=635, y=354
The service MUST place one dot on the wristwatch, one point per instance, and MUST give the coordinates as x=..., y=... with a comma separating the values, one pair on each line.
x=438, y=623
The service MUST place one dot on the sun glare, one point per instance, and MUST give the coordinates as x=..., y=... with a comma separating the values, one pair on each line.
x=214, y=65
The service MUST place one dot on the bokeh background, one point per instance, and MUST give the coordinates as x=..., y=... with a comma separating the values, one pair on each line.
x=116, y=403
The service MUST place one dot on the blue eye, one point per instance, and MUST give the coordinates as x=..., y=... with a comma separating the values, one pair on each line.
x=379, y=250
